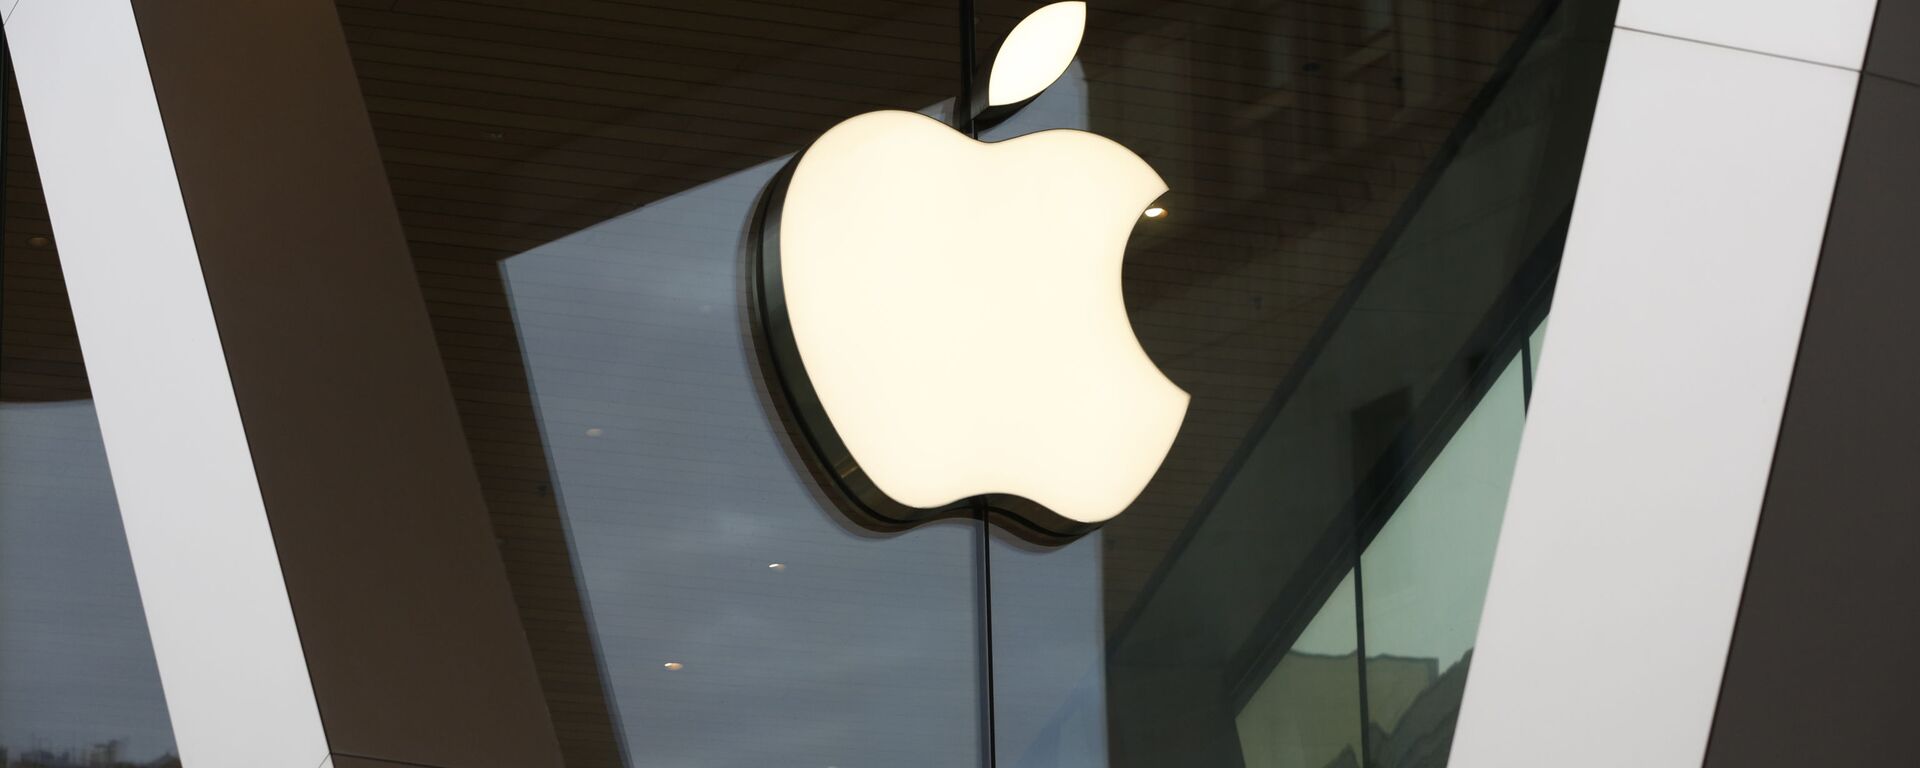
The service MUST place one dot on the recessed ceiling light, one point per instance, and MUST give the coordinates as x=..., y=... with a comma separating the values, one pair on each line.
x=595, y=432
x=674, y=666
x=1156, y=212
x=776, y=566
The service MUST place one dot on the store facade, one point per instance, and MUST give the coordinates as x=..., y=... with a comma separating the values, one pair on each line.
x=433, y=410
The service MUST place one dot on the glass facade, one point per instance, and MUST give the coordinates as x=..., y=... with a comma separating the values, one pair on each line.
x=1368, y=199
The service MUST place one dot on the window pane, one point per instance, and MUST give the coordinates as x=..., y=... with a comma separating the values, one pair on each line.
x=1426, y=576
x=1357, y=188
x=1362, y=195
x=577, y=181
x=78, y=685
x=1306, y=713
x=680, y=498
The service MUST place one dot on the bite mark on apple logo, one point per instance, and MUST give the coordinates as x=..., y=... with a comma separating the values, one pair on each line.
x=944, y=315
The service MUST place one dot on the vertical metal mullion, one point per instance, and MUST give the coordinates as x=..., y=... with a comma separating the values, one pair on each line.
x=963, y=122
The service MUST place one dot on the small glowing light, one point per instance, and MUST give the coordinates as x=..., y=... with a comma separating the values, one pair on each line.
x=39, y=241
x=1156, y=212
x=595, y=432
x=776, y=566
x=674, y=666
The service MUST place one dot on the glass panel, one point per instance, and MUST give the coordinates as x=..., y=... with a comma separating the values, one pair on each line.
x=1049, y=676
x=1364, y=197
x=697, y=538
x=1426, y=575
x=692, y=596
x=1365, y=194
x=78, y=683
x=1306, y=714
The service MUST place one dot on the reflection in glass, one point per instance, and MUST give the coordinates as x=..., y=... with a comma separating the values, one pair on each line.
x=680, y=492
x=78, y=685
x=1426, y=574
x=1366, y=197
x=598, y=162
x=1049, y=681
x=1306, y=713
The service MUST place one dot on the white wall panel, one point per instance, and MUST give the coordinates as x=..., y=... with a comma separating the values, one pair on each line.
x=230, y=660
x=1827, y=31
x=1647, y=448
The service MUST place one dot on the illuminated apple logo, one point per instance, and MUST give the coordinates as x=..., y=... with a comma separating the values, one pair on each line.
x=945, y=318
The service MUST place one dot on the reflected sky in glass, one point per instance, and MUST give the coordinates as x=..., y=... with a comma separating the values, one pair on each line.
x=77, y=673
x=680, y=491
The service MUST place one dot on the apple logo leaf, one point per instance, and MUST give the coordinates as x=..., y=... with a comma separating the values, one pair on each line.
x=1036, y=53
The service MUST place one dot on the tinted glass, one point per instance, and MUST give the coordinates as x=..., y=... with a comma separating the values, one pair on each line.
x=1426, y=575
x=697, y=537
x=577, y=180
x=1366, y=209
x=1367, y=196
x=1306, y=713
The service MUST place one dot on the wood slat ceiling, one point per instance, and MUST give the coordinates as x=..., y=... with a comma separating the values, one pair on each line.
x=1290, y=132
x=39, y=348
